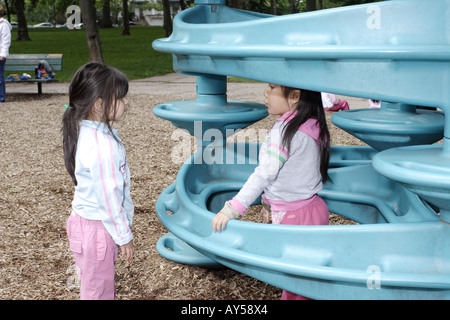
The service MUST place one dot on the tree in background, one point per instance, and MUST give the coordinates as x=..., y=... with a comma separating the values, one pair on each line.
x=167, y=17
x=54, y=10
x=8, y=10
x=126, y=19
x=92, y=36
x=22, y=33
x=106, y=20
x=311, y=5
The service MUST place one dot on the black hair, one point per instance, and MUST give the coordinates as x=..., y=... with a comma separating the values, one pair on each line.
x=91, y=82
x=309, y=106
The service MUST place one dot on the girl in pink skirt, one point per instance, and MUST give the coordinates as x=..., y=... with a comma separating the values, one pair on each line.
x=293, y=165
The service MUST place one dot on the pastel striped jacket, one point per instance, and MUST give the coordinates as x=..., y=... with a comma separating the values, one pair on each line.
x=103, y=176
x=288, y=180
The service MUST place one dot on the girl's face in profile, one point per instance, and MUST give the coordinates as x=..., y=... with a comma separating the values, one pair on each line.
x=276, y=102
x=121, y=110
x=120, y=113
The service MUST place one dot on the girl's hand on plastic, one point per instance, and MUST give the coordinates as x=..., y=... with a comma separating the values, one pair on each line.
x=219, y=222
x=127, y=251
x=264, y=214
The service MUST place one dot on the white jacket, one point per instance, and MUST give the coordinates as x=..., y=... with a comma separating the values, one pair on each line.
x=5, y=37
x=103, y=176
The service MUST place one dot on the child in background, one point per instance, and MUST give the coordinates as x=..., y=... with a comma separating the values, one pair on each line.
x=374, y=104
x=332, y=103
x=293, y=165
x=5, y=42
x=94, y=156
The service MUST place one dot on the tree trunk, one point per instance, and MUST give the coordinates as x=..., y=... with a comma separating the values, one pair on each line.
x=183, y=5
x=107, y=23
x=293, y=6
x=273, y=7
x=22, y=34
x=92, y=36
x=167, y=17
x=8, y=11
x=126, y=19
x=311, y=5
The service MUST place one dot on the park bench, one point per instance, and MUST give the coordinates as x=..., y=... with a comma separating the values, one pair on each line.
x=28, y=62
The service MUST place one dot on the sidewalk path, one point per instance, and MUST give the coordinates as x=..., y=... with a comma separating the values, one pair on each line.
x=176, y=85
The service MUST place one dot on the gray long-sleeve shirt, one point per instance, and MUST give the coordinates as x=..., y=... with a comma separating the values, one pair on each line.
x=103, y=176
x=287, y=179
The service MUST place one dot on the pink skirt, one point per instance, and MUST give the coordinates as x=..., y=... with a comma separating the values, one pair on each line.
x=313, y=214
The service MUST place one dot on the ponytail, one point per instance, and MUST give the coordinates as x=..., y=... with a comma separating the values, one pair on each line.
x=70, y=130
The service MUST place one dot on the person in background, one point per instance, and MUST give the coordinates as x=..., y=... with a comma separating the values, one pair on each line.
x=374, y=104
x=5, y=42
x=332, y=103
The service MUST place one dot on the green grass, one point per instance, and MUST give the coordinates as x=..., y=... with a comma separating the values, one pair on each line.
x=133, y=54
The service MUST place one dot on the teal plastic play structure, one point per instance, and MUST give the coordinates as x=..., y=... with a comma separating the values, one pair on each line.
x=397, y=187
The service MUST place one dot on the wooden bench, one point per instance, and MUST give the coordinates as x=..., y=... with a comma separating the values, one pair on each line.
x=27, y=63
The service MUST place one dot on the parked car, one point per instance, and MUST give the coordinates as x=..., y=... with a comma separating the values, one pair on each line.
x=131, y=23
x=43, y=25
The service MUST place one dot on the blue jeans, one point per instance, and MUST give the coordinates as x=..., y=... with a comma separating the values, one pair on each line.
x=2, y=81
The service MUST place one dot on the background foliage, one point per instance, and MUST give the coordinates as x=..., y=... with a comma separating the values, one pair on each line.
x=132, y=54
x=38, y=11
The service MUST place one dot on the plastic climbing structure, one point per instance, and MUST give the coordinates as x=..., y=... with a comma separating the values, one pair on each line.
x=397, y=187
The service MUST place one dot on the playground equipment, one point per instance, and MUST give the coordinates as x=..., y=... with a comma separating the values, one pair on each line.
x=397, y=188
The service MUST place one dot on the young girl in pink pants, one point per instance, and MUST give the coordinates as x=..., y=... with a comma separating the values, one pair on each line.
x=293, y=165
x=102, y=209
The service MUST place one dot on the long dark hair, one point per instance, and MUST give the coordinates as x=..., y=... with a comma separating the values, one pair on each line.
x=309, y=106
x=91, y=82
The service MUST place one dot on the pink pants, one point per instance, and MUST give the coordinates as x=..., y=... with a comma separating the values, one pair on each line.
x=95, y=255
x=315, y=213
